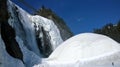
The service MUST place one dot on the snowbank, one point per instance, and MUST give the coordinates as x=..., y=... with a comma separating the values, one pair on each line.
x=84, y=50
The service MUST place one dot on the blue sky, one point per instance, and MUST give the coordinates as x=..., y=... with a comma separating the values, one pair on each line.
x=81, y=15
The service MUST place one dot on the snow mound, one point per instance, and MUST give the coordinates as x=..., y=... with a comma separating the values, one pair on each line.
x=87, y=48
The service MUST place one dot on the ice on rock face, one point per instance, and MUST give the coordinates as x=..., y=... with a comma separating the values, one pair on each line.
x=30, y=58
x=23, y=28
x=6, y=60
x=24, y=25
x=50, y=27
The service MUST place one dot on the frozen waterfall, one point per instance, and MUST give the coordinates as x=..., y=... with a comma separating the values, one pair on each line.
x=33, y=35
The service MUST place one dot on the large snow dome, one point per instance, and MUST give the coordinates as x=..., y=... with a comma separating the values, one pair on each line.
x=87, y=48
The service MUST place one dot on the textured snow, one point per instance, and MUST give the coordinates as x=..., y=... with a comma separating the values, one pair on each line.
x=85, y=50
x=82, y=45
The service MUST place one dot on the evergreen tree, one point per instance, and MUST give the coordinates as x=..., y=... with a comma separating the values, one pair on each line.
x=113, y=31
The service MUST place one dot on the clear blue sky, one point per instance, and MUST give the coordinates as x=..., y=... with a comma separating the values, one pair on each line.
x=81, y=15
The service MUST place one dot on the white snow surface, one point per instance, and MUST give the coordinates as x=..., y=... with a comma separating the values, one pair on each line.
x=86, y=50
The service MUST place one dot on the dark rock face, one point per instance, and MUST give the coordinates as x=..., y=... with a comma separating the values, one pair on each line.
x=3, y=11
x=43, y=42
x=8, y=34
